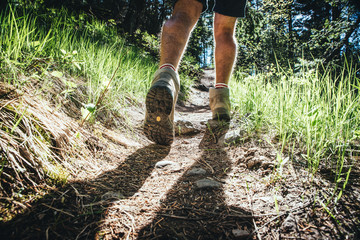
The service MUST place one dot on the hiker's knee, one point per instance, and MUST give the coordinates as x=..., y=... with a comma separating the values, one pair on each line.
x=224, y=28
x=185, y=14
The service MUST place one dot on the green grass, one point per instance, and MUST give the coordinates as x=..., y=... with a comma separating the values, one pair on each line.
x=58, y=55
x=62, y=45
x=312, y=112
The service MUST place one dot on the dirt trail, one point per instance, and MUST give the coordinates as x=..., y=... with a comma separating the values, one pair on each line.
x=147, y=191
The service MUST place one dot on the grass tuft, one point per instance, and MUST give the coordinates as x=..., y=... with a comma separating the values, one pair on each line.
x=316, y=113
x=59, y=44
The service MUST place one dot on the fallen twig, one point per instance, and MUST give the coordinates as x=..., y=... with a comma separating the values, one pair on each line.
x=59, y=210
x=184, y=218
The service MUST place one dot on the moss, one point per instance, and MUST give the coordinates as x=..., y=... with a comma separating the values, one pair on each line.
x=58, y=176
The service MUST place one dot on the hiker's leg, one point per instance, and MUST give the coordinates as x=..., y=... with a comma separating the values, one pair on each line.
x=162, y=95
x=225, y=46
x=177, y=29
x=225, y=52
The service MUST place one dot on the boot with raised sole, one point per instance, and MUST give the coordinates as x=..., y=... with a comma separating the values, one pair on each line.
x=160, y=107
x=220, y=103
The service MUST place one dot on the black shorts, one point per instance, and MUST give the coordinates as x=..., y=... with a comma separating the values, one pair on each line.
x=232, y=8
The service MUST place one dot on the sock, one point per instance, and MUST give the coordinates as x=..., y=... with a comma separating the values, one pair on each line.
x=168, y=65
x=221, y=85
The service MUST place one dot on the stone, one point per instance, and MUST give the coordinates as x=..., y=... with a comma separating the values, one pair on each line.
x=238, y=233
x=164, y=163
x=185, y=128
x=232, y=137
x=112, y=195
x=252, y=163
x=207, y=184
x=259, y=161
x=196, y=172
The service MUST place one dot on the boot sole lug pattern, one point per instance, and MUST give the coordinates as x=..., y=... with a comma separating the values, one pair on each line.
x=158, y=126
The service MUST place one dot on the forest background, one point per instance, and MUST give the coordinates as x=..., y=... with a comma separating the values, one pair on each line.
x=274, y=33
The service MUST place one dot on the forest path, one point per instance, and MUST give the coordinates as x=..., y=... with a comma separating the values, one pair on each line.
x=199, y=188
x=183, y=197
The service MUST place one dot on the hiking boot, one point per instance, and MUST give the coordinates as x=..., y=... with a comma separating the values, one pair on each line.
x=220, y=103
x=160, y=107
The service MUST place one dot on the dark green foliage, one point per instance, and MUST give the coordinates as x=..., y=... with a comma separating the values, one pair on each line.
x=280, y=33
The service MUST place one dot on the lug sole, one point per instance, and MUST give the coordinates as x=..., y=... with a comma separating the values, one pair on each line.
x=158, y=125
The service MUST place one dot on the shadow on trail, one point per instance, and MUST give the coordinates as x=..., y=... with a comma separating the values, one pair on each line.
x=190, y=212
x=76, y=210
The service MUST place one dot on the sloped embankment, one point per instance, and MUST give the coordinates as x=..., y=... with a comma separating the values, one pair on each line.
x=44, y=144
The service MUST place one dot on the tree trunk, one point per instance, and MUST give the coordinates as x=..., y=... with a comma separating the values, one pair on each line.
x=291, y=39
x=131, y=21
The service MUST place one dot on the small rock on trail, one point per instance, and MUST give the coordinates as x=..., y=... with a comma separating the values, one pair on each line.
x=238, y=233
x=183, y=127
x=165, y=163
x=196, y=172
x=112, y=195
x=207, y=184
